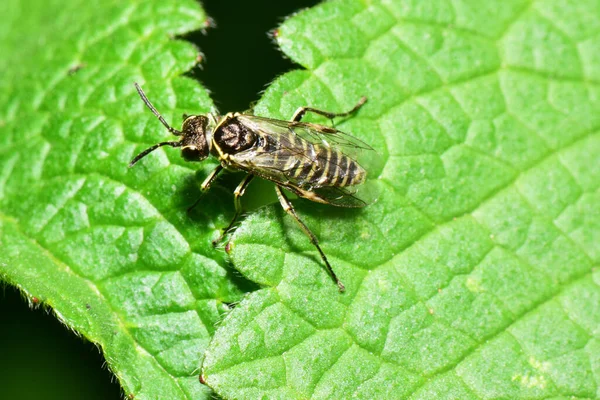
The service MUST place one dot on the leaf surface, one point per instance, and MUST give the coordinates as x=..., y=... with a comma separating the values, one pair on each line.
x=474, y=275
x=110, y=249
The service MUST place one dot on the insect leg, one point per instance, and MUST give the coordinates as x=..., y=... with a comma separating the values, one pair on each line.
x=210, y=178
x=300, y=112
x=206, y=184
x=237, y=194
x=287, y=206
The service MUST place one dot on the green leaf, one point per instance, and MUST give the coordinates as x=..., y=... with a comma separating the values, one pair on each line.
x=110, y=249
x=473, y=274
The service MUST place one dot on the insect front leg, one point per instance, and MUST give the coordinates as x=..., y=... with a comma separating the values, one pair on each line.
x=206, y=185
x=237, y=194
x=287, y=206
x=300, y=112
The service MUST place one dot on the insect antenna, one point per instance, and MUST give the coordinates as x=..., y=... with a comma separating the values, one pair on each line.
x=151, y=149
x=154, y=111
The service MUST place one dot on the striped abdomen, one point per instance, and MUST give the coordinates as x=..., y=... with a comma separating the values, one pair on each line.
x=326, y=166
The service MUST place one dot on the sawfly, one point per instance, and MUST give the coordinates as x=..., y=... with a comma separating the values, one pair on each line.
x=313, y=161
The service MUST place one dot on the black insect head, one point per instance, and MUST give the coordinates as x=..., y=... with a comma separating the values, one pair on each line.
x=193, y=142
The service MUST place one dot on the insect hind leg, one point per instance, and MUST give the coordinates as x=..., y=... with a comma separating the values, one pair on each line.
x=301, y=111
x=287, y=206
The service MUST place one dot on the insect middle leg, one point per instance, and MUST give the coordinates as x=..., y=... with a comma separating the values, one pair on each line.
x=237, y=194
x=206, y=185
x=287, y=206
x=300, y=112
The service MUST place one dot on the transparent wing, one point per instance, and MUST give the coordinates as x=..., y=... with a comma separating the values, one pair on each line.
x=286, y=156
x=313, y=133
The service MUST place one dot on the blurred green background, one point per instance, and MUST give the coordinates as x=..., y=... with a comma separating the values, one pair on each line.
x=39, y=357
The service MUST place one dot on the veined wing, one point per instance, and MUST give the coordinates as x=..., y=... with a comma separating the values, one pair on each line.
x=309, y=154
x=316, y=162
x=350, y=197
x=313, y=133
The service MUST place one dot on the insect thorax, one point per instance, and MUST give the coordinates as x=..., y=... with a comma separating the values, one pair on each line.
x=232, y=136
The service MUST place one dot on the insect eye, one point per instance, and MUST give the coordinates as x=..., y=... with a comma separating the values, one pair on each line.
x=193, y=153
x=194, y=125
